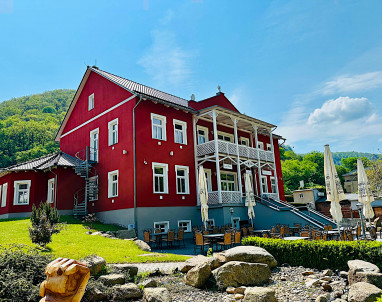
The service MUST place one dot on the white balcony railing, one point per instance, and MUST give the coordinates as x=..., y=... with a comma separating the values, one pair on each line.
x=230, y=149
x=227, y=197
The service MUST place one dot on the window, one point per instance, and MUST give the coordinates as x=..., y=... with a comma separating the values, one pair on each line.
x=202, y=134
x=112, y=183
x=113, y=132
x=273, y=184
x=180, y=132
x=244, y=141
x=264, y=184
x=4, y=195
x=228, y=181
x=236, y=222
x=184, y=225
x=182, y=183
x=158, y=125
x=93, y=191
x=22, y=190
x=260, y=145
x=210, y=222
x=269, y=147
x=160, y=178
x=207, y=172
x=163, y=226
x=301, y=195
x=91, y=102
x=223, y=136
x=94, y=144
x=50, y=197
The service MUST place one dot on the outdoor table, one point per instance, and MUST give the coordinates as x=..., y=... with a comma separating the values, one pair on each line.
x=260, y=231
x=333, y=233
x=213, y=238
x=296, y=238
x=159, y=239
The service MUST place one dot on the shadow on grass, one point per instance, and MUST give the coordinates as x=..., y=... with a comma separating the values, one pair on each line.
x=97, y=226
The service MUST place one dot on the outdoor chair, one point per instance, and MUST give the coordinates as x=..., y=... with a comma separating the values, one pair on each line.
x=227, y=240
x=245, y=232
x=330, y=227
x=349, y=235
x=316, y=236
x=199, y=242
x=373, y=233
x=265, y=235
x=180, y=237
x=250, y=231
x=278, y=227
x=237, y=238
x=215, y=230
x=325, y=236
x=147, y=239
x=326, y=227
x=305, y=233
x=222, y=229
x=206, y=232
x=286, y=230
x=170, y=238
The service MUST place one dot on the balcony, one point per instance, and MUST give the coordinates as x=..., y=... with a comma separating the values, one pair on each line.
x=228, y=148
x=227, y=197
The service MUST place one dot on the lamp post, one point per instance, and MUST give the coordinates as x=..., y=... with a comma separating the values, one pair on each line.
x=231, y=212
x=359, y=207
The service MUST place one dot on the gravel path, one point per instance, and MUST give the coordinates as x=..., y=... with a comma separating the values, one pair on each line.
x=166, y=267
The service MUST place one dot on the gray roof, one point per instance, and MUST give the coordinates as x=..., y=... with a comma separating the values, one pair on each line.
x=59, y=159
x=139, y=88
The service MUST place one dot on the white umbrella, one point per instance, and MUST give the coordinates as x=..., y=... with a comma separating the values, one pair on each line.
x=250, y=196
x=364, y=194
x=203, y=195
x=334, y=191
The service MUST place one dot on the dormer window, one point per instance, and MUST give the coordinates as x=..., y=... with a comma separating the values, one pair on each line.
x=91, y=102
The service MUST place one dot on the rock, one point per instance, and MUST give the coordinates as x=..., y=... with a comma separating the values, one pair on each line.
x=143, y=245
x=112, y=279
x=94, y=294
x=307, y=273
x=327, y=272
x=326, y=278
x=230, y=290
x=362, y=271
x=96, y=233
x=363, y=292
x=251, y=254
x=156, y=273
x=337, y=294
x=312, y=282
x=95, y=264
x=126, y=234
x=110, y=233
x=327, y=287
x=236, y=273
x=124, y=268
x=159, y=294
x=239, y=296
x=149, y=283
x=240, y=290
x=344, y=274
x=192, y=262
x=126, y=291
x=285, y=265
x=215, y=262
x=339, y=300
x=362, y=266
x=198, y=276
x=322, y=298
x=106, y=235
x=259, y=294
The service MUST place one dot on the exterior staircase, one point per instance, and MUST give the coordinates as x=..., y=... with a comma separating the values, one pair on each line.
x=88, y=193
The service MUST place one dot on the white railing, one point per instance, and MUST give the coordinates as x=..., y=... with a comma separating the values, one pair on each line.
x=227, y=197
x=230, y=149
x=271, y=195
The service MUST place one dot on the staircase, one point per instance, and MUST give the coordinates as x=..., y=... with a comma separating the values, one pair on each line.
x=90, y=191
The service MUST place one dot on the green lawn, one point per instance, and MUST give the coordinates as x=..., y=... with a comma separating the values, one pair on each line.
x=73, y=242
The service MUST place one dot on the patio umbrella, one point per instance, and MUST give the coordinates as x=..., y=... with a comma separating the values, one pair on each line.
x=334, y=191
x=364, y=194
x=203, y=195
x=250, y=196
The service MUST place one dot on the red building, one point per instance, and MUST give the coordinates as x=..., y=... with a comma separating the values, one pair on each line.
x=136, y=151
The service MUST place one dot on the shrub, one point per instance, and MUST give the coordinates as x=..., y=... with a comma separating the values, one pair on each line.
x=21, y=273
x=319, y=254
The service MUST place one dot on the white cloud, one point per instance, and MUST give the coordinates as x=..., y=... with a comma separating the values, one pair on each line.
x=352, y=83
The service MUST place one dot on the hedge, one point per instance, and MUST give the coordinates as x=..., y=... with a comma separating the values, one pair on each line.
x=319, y=254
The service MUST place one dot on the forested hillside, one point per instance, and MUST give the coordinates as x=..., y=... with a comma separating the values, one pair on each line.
x=29, y=124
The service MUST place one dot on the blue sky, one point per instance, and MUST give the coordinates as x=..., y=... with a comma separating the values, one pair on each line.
x=314, y=68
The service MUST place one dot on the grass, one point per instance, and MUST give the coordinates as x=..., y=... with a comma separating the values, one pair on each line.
x=73, y=242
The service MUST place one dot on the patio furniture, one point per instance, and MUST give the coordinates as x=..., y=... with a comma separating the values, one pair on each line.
x=349, y=235
x=286, y=230
x=316, y=236
x=305, y=233
x=292, y=238
x=180, y=237
x=212, y=239
x=325, y=236
x=215, y=230
x=373, y=233
x=170, y=238
x=147, y=238
x=222, y=229
x=227, y=241
x=237, y=238
x=199, y=242
x=245, y=232
x=250, y=230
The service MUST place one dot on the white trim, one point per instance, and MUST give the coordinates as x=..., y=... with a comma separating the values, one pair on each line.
x=238, y=220
x=166, y=223
x=94, y=179
x=184, y=131
x=235, y=179
x=189, y=226
x=231, y=136
x=92, y=157
x=246, y=139
x=205, y=129
x=264, y=183
x=110, y=131
x=260, y=145
x=91, y=102
x=97, y=116
x=273, y=184
x=50, y=191
x=211, y=220
x=186, y=177
x=208, y=179
x=165, y=177
x=163, y=126
x=16, y=190
x=4, y=195
x=269, y=147
x=110, y=183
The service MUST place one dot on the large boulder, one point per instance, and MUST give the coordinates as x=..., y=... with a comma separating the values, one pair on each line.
x=259, y=294
x=112, y=279
x=198, y=275
x=158, y=294
x=237, y=273
x=252, y=254
x=192, y=262
x=362, y=271
x=143, y=245
x=126, y=234
x=95, y=264
x=363, y=292
x=131, y=269
x=126, y=291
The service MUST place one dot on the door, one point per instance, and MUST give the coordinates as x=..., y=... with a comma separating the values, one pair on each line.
x=94, y=144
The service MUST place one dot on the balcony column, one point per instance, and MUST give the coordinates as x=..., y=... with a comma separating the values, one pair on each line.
x=234, y=120
x=258, y=158
x=274, y=163
x=194, y=121
x=214, y=115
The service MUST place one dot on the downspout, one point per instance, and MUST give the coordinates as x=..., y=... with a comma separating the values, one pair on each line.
x=135, y=172
x=55, y=188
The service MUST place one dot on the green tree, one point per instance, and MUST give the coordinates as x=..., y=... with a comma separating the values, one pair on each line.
x=350, y=163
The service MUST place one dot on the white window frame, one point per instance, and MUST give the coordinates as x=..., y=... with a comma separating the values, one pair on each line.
x=165, y=223
x=273, y=184
x=4, y=195
x=236, y=222
x=1, y=191
x=225, y=134
x=111, y=132
x=96, y=180
x=205, y=129
x=16, y=191
x=94, y=152
x=235, y=180
x=208, y=173
x=186, y=178
x=163, y=126
x=260, y=145
x=165, y=176
x=110, y=183
x=50, y=192
x=189, y=228
x=244, y=139
x=301, y=195
x=211, y=222
x=269, y=147
x=264, y=183
x=183, y=131
x=91, y=102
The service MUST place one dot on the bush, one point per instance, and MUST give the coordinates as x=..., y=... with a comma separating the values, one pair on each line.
x=21, y=273
x=319, y=254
